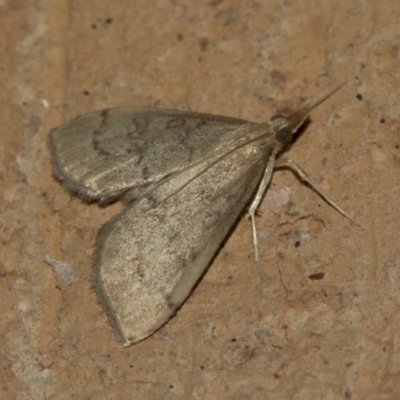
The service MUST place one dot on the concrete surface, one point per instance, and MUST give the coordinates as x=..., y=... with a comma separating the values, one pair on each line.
x=326, y=324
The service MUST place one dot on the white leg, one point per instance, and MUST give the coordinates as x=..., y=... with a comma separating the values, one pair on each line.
x=287, y=162
x=254, y=205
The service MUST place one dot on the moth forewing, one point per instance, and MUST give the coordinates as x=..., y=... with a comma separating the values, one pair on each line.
x=103, y=154
x=146, y=264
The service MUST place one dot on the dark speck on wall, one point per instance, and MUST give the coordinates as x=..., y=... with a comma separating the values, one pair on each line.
x=317, y=276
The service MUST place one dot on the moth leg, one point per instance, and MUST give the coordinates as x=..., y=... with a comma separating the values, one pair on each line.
x=287, y=162
x=254, y=205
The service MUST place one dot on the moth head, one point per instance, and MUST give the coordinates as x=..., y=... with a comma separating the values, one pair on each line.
x=283, y=133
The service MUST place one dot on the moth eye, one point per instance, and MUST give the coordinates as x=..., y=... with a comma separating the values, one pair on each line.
x=283, y=135
x=277, y=116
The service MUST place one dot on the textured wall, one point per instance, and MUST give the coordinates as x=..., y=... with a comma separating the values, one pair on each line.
x=326, y=324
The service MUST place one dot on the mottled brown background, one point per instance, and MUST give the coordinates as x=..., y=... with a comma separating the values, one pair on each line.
x=326, y=325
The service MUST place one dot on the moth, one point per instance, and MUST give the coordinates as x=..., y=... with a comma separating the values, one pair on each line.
x=186, y=178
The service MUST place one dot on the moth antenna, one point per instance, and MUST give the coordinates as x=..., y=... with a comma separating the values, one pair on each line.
x=299, y=116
